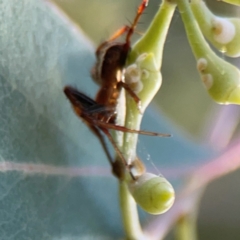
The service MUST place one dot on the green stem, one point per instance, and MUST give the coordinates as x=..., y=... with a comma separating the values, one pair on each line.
x=130, y=217
x=154, y=38
x=186, y=227
x=151, y=43
x=198, y=44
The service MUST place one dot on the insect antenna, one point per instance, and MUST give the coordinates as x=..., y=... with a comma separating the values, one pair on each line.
x=135, y=21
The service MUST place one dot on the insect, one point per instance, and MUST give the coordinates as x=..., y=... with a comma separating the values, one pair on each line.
x=100, y=114
x=95, y=115
x=108, y=71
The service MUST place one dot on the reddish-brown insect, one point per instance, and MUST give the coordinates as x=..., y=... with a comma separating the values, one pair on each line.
x=100, y=114
x=108, y=71
x=95, y=115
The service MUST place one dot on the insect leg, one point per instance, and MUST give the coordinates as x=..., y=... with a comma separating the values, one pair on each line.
x=131, y=93
x=124, y=129
x=140, y=10
x=103, y=143
x=119, y=153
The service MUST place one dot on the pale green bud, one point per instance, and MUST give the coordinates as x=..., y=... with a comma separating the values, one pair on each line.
x=153, y=193
x=221, y=79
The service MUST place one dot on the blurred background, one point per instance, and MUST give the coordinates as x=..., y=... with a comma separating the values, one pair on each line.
x=182, y=98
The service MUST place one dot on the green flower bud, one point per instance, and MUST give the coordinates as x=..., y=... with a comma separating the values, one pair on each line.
x=153, y=193
x=221, y=79
x=222, y=33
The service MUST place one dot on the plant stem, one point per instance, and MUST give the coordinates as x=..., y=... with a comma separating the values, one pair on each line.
x=151, y=43
x=195, y=37
x=154, y=38
x=130, y=217
x=186, y=227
